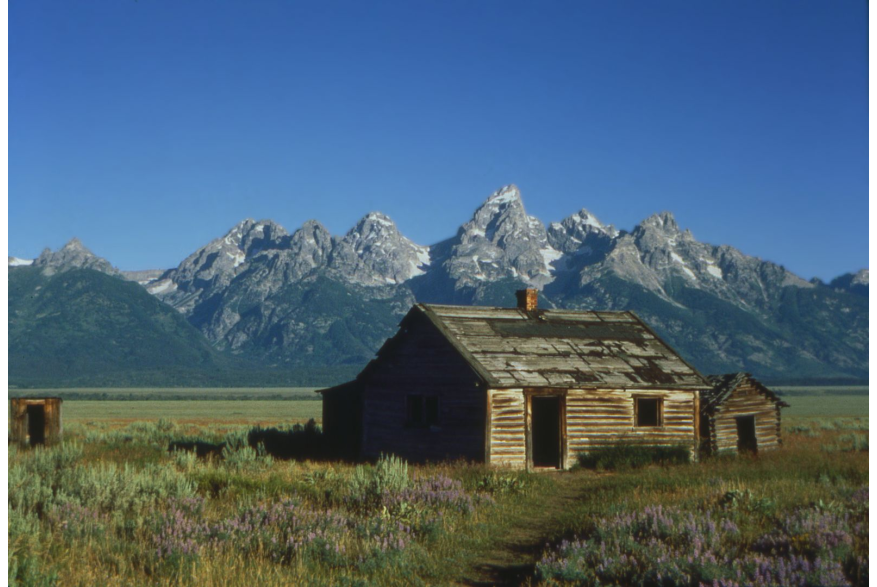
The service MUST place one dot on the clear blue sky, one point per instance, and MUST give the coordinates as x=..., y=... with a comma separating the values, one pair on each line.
x=148, y=128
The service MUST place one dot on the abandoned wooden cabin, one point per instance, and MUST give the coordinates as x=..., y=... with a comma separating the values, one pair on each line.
x=739, y=414
x=519, y=387
x=34, y=420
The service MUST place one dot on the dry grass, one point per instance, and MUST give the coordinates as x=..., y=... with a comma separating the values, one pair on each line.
x=495, y=544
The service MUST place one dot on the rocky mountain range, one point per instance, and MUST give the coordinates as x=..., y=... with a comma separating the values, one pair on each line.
x=311, y=298
x=856, y=283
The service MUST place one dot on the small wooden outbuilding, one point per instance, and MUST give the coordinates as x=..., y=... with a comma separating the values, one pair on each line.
x=519, y=387
x=739, y=414
x=35, y=420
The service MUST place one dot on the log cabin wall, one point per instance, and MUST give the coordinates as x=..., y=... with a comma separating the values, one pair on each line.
x=507, y=437
x=18, y=419
x=746, y=400
x=598, y=418
x=594, y=418
x=420, y=361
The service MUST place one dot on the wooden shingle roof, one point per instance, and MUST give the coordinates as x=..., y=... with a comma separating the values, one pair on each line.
x=510, y=347
x=722, y=386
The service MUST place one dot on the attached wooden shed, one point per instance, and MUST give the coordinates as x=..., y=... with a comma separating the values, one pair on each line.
x=518, y=387
x=739, y=414
x=35, y=420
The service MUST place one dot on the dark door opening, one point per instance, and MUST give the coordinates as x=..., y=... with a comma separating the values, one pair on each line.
x=36, y=424
x=746, y=440
x=545, y=432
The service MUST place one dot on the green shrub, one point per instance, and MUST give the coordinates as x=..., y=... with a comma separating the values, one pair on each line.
x=802, y=429
x=499, y=484
x=21, y=523
x=30, y=571
x=633, y=456
x=389, y=475
x=53, y=477
x=238, y=454
x=848, y=443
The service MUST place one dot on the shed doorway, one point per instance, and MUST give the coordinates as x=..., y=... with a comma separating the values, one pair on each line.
x=746, y=440
x=36, y=424
x=545, y=431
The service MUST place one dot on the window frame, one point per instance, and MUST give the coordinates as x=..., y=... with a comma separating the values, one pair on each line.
x=636, y=411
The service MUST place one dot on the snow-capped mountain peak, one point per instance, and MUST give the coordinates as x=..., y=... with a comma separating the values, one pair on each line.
x=663, y=221
x=372, y=226
x=374, y=252
x=585, y=218
x=501, y=241
x=504, y=196
x=581, y=235
x=251, y=236
x=253, y=289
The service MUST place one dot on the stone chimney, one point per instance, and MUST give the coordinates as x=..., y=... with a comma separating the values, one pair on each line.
x=528, y=299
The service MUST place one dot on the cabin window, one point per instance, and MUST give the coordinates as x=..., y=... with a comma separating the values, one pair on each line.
x=422, y=410
x=649, y=411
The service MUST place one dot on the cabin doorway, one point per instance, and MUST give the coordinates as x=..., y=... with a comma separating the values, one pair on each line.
x=545, y=431
x=36, y=424
x=746, y=440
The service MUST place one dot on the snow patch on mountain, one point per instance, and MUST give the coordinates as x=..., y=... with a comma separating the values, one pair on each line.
x=17, y=262
x=500, y=241
x=713, y=270
x=375, y=252
x=161, y=286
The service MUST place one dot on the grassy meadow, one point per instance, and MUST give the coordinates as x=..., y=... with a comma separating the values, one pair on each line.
x=111, y=506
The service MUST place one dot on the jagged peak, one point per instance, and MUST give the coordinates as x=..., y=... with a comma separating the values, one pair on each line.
x=74, y=244
x=505, y=195
x=248, y=224
x=584, y=217
x=662, y=220
x=243, y=234
x=372, y=221
x=502, y=204
x=379, y=216
x=313, y=225
x=72, y=255
x=244, y=224
x=312, y=230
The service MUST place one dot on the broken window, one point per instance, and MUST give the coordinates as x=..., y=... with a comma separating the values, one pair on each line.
x=649, y=411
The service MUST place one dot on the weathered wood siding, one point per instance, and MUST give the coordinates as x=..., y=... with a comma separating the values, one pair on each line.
x=598, y=418
x=594, y=418
x=507, y=438
x=419, y=360
x=745, y=401
x=18, y=419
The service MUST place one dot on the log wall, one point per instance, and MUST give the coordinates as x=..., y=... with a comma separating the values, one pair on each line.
x=745, y=401
x=421, y=361
x=18, y=431
x=507, y=439
x=597, y=418
x=594, y=418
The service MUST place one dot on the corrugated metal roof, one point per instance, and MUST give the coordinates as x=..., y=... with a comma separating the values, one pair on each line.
x=724, y=385
x=509, y=347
